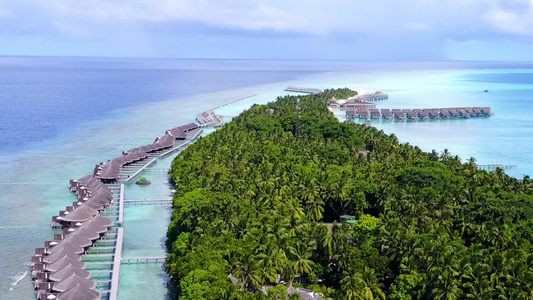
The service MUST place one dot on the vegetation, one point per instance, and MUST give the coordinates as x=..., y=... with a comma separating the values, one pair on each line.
x=252, y=200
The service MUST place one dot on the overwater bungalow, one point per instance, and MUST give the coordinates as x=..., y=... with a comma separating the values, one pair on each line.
x=485, y=111
x=352, y=113
x=189, y=127
x=67, y=271
x=59, y=254
x=109, y=171
x=72, y=281
x=398, y=114
x=363, y=114
x=79, y=292
x=409, y=114
x=423, y=115
x=76, y=240
x=387, y=113
x=64, y=262
x=462, y=113
x=452, y=113
x=374, y=113
x=177, y=133
x=81, y=214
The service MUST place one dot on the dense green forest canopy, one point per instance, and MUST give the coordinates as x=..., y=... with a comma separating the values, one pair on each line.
x=254, y=201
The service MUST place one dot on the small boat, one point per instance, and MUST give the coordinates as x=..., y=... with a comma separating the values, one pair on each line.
x=486, y=91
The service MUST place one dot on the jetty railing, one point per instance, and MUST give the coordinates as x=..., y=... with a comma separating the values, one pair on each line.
x=145, y=260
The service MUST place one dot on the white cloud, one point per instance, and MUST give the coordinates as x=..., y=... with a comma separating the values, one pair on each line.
x=422, y=24
x=519, y=23
x=315, y=17
x=242, y=14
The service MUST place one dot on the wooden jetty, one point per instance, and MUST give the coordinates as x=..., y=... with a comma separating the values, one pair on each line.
x=157, y=170
x=143, y=260
x=234, y=101
x=304, y=90
x=115, y=275
x=148, y=201
x=496, y=166
x=138, y=171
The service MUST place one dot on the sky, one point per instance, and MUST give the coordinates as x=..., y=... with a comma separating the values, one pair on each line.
x=498, y=30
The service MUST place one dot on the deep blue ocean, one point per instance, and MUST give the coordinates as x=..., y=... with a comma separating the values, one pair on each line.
x=42, y=98
x=60, y=116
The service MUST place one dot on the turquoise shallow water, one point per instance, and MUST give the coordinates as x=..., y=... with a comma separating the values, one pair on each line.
x=34, y=186
x=505, y=138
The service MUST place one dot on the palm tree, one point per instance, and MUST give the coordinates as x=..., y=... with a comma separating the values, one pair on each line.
x=247, y=271
x=447, y=285
x=362, y=285
x=300, y=258
x=271, y=263
x=314, y=205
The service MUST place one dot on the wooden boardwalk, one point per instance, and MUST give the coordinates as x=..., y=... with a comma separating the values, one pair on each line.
x=148, y=201
x=115, y=276
x=495, y=166
x=132, y=176
x=304, y=90
x=143, y=260
x=121, y=206
x=179, y=146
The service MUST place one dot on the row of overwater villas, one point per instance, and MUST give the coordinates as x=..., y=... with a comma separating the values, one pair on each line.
x=372, y=97
x=111, y=170
x=420, y=114
x=57, y=268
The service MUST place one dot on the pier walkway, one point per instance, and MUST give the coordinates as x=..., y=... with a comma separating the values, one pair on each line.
x=130, y=177
x=496, y=166
x=148, y=201
x=143, y=260
x=118, y=214
x=115, y=275
x=304, y=90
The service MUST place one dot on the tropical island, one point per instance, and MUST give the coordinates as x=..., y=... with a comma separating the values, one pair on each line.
x=257, y=214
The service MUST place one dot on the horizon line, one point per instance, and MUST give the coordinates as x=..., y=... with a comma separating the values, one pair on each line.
x=257, y=59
